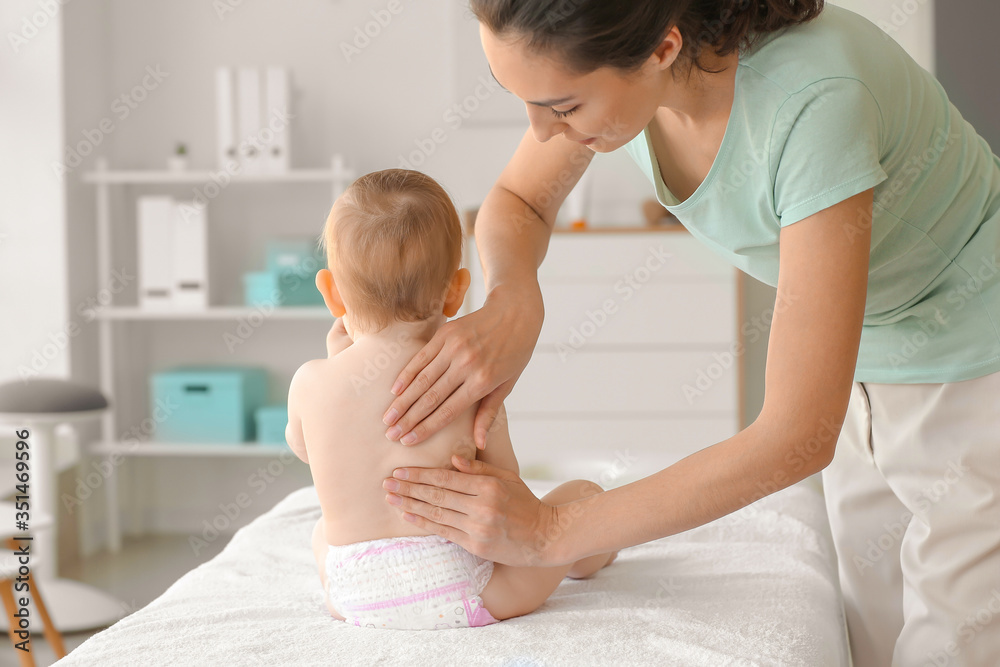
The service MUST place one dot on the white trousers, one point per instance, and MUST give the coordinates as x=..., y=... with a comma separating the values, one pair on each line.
x=913, y=495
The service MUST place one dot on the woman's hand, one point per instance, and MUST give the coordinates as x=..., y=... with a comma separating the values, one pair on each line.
x=486, y=510
x=476, y=357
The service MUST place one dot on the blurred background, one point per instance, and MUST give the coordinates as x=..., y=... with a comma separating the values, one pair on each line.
x=111, y=110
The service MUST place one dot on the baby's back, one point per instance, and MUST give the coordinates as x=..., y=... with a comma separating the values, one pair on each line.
x=349, y=455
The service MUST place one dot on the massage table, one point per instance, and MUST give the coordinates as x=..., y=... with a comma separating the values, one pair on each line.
x=758, y=587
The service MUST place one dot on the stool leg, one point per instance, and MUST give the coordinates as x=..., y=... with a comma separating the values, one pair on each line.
x=43, y=496
x=52, y=635
x=7, y=593
x=111, y=505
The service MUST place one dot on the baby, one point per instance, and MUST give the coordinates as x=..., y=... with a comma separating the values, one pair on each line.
x=394, y=243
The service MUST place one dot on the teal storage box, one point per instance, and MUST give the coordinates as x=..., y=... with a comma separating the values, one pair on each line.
x=271, y=423
x=281, y=288
x=299, y=255
x=207, y=403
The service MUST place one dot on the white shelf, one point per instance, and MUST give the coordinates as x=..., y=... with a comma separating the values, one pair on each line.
x=153, y=448
x=203, y=176
x=215, y=313
x=106, y=181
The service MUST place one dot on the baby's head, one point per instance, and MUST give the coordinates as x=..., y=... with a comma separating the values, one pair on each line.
x=394, y=246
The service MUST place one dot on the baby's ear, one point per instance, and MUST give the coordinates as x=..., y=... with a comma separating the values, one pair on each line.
x=331, y=296
x=456, y=292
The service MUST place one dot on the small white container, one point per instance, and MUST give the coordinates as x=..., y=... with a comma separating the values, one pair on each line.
x=177, y=163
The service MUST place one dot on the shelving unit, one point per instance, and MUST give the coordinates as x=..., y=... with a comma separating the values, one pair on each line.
x=108, y=317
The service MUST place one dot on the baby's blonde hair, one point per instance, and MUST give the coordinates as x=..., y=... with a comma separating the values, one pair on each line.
x=394, y=246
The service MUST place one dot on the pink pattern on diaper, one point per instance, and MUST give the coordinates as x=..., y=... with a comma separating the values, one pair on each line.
x=373, y=551
x=480, y=617
x=417, y=597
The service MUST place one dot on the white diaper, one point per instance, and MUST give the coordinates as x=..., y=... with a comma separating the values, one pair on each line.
x=408, y=583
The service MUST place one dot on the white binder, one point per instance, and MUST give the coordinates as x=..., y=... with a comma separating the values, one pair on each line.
x=225, y=107
x=276, y=119
x=155, y=233
x=190, y=257
x=249, y=102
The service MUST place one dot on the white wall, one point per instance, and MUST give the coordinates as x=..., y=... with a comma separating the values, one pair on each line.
x=86, y=68
x=33, y=271
x=39, y=332
x=909, y=22
x=405, y=72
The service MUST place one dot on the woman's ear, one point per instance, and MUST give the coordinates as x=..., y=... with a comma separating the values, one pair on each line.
x=456, y=292
x=669, y=49
x=331, y=296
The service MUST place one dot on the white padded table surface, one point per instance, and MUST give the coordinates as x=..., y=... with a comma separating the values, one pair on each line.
x=756, y=588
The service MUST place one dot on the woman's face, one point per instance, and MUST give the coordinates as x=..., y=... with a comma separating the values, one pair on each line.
x=603, y=110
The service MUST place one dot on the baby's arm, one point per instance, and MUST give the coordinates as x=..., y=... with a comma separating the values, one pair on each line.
x=338, y=339
x=296, y=396
x=499, y=450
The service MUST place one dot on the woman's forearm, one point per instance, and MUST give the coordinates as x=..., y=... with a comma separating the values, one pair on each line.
x=512, y=240
x=705, y=486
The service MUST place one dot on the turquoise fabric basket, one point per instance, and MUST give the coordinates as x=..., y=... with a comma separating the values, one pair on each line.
x=271, y=423
x=208, y=403
x=281, y=288
x=293, y=254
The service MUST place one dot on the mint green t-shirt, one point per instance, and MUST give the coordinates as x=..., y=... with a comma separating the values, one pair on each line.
x=822, y=112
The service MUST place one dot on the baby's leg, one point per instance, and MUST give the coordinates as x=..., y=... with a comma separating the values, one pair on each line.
x=320, y=547
x=514, y=591
x=567, y=493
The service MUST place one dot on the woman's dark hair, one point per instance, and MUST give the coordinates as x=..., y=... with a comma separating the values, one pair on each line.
x=589, y=34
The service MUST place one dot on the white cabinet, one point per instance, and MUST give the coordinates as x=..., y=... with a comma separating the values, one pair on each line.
x=638, y=362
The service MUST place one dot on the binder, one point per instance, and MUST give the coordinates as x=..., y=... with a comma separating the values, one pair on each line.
x=225, y=108
x=155, y=234
x=248, y=112
x=190, y=256
x=276, y=120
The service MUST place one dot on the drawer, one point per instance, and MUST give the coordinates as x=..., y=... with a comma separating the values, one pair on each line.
x=616, y=265
x=610, y=452
x=602, y=381
x=701, y=314
x=652, y=257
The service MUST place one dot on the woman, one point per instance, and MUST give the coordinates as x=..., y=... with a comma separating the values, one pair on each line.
x=761, y=125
